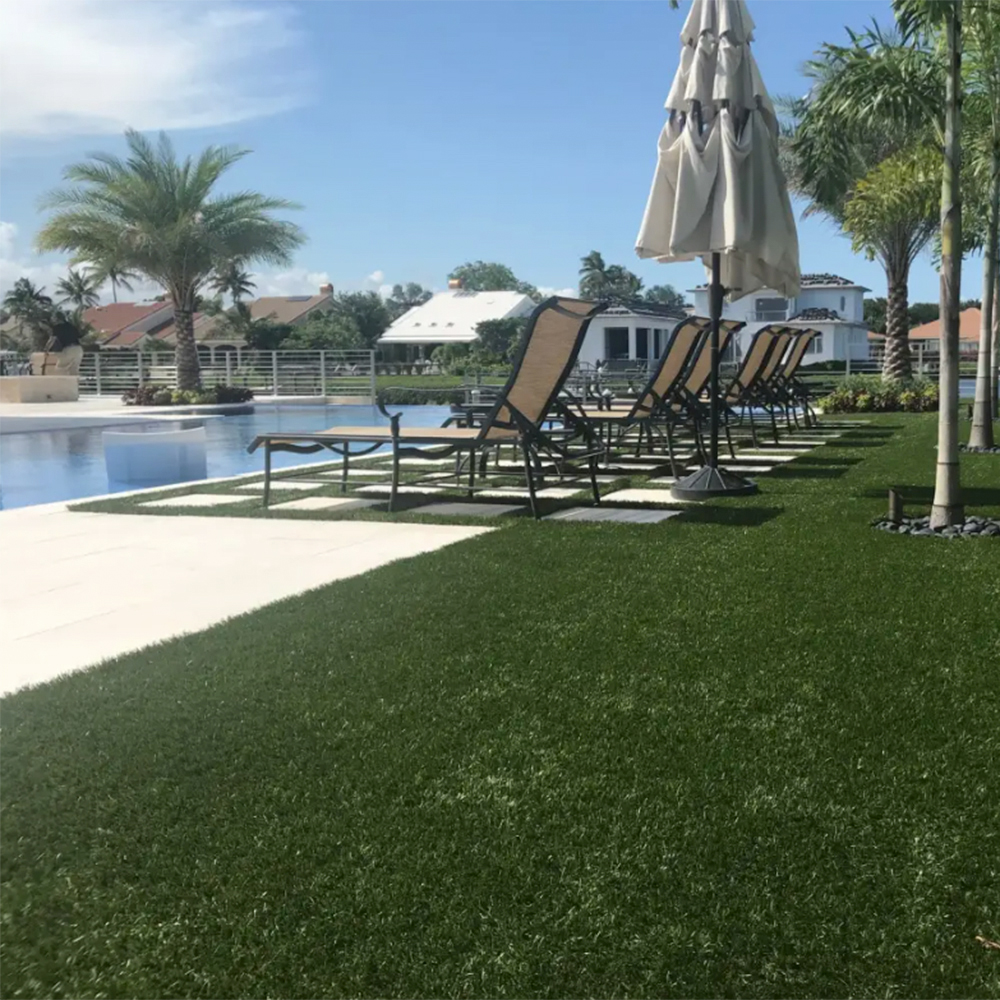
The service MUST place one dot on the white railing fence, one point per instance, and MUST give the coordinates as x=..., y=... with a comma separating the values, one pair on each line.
x=268, y=373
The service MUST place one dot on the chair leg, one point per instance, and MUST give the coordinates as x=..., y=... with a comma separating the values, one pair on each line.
x=472, y=472
x=670, y=453
x=592, y=464
x=753, y=431
x=343, y=468
x=395, y=477
x=774, y=424
x=529, y=475
x=729, y=438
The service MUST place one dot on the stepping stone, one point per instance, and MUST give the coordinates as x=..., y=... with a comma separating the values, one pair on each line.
x=365, y=472
x=198, y=500
x=385, y=490
x=282, y=485
x=468, y=509
x=763, y=456
x=657, y=496
x=426, y=461
x=554, y=492
x=620, y=515
x=733, y=467
x=662, y=482
x=323, y=503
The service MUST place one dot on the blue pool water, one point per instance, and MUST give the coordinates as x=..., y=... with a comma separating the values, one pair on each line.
x=45, y=466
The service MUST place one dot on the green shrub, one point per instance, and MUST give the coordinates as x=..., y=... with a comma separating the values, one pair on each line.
x=873, y=394
x=213, y=395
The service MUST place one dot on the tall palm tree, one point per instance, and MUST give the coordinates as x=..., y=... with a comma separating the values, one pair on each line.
x=118, y=275
x=31, y=307
x=983, y=79
x=157, y=216
x=232, y=278
x=78, y=288
x=593, y=276
x=836, y=138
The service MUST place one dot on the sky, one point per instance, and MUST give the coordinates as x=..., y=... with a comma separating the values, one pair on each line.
x=415, y=134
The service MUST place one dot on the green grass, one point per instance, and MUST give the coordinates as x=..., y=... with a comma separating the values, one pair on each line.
x=749, y=752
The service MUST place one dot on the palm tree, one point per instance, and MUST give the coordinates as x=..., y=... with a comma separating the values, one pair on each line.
x=117, y=274
x=232, y=278
x=156, y=216
x=834, y=141
x=593, y=276
x=29, y=305
x=79, y=288
x=983, y=79
x=404, y=298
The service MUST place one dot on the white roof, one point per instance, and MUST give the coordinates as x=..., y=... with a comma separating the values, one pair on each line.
x=452, y=317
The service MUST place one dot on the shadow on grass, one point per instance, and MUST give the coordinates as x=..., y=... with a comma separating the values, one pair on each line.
x=811, y=459
x=734, y=517
x=852, y=443
x=977, y=496
x=791, y=471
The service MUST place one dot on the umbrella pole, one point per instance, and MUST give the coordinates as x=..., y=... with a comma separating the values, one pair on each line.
x=711, y=481
x=715, y=300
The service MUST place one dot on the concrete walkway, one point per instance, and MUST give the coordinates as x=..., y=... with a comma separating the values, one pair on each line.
x=78, y=588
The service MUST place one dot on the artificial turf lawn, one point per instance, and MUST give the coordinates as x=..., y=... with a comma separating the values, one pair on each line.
x=727, y=755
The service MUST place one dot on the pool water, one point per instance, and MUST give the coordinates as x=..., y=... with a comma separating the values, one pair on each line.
x=45, y=466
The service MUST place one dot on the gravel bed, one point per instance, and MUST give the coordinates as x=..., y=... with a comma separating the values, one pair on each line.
x=973, y=527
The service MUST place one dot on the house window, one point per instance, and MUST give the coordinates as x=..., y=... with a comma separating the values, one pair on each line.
x=843, y=304
x=642, y=342
x=815, y=346
x=768, y=310
x=616, y=343
x=657, y=342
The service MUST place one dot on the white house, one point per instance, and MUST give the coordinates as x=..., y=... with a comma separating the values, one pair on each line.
x=621, y=333
x=827, y=303
x=451, y=317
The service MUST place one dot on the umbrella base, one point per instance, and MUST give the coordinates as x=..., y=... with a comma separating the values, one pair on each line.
x=710, y=482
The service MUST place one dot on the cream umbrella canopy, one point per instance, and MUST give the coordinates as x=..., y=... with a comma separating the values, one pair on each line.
x=718, y=192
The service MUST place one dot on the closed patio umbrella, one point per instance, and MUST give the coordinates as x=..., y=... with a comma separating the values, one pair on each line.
x=718, y=192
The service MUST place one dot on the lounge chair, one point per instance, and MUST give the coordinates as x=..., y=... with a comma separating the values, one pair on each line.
x=792, y=391
x=548, y=351
x=746, y=390
x=662, y=403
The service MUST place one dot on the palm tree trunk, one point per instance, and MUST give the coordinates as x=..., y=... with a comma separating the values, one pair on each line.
x=982, y=410
x=947, y=507
x=114, y=289
x=896, y=364
x=995, y=389
x=188, y=369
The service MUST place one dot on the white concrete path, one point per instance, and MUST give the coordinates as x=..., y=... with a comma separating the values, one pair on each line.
x=78, y=588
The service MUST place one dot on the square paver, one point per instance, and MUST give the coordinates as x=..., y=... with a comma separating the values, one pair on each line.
x=468, y=509
x=299, y=485
x=384, y=491
x=620, y=515
x=657, y=496
x=323, y=503
x=198, y=500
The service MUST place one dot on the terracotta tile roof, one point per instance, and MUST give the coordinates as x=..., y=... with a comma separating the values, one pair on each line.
x=968, y=327
x=289, y=308
x=119, y=316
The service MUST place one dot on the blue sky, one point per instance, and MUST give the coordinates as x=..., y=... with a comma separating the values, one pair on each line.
x=417, y=135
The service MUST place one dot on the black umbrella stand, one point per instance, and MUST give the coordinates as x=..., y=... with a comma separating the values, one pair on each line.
x=710, y=481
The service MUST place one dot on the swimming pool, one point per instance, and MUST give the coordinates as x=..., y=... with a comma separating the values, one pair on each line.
x=45, y=466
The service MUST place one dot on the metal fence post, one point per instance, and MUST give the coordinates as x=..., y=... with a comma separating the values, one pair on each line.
x=138, y=355
x=97, y=373
x=274, y=372
x=374, y=380
x=229, y=367
x=847, y=370
x=322, y=373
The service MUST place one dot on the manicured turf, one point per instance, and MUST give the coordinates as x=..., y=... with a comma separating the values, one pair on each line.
x=749, y=752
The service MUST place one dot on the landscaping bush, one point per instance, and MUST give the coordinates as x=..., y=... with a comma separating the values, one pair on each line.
x=873, y=394
x=213, y=395
x=407, y=396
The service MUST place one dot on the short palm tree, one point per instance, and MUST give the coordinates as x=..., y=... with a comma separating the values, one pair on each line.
x=79, y=289
x=593, y=276
x=114, y=272
x=31, y=307
x=233, y=279
x=157, y=216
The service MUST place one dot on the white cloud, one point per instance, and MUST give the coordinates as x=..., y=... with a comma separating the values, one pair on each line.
x=87, y=67
x=376, y=277
x=8, y=233
x=295, y=281
x=569, y=293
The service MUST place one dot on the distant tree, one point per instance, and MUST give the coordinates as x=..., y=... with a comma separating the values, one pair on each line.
x=623, y=285
x=367, y=311
x=404, y=298
x=665, y=295
x=238, y=323
x=875, y=310
x=328, y=331
x=923, y=312
x=593, y=276
x=483, y=276
x=78, y=288
x=32, y=308
x=500, y=337
x=116, y=273
x=231, y=278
